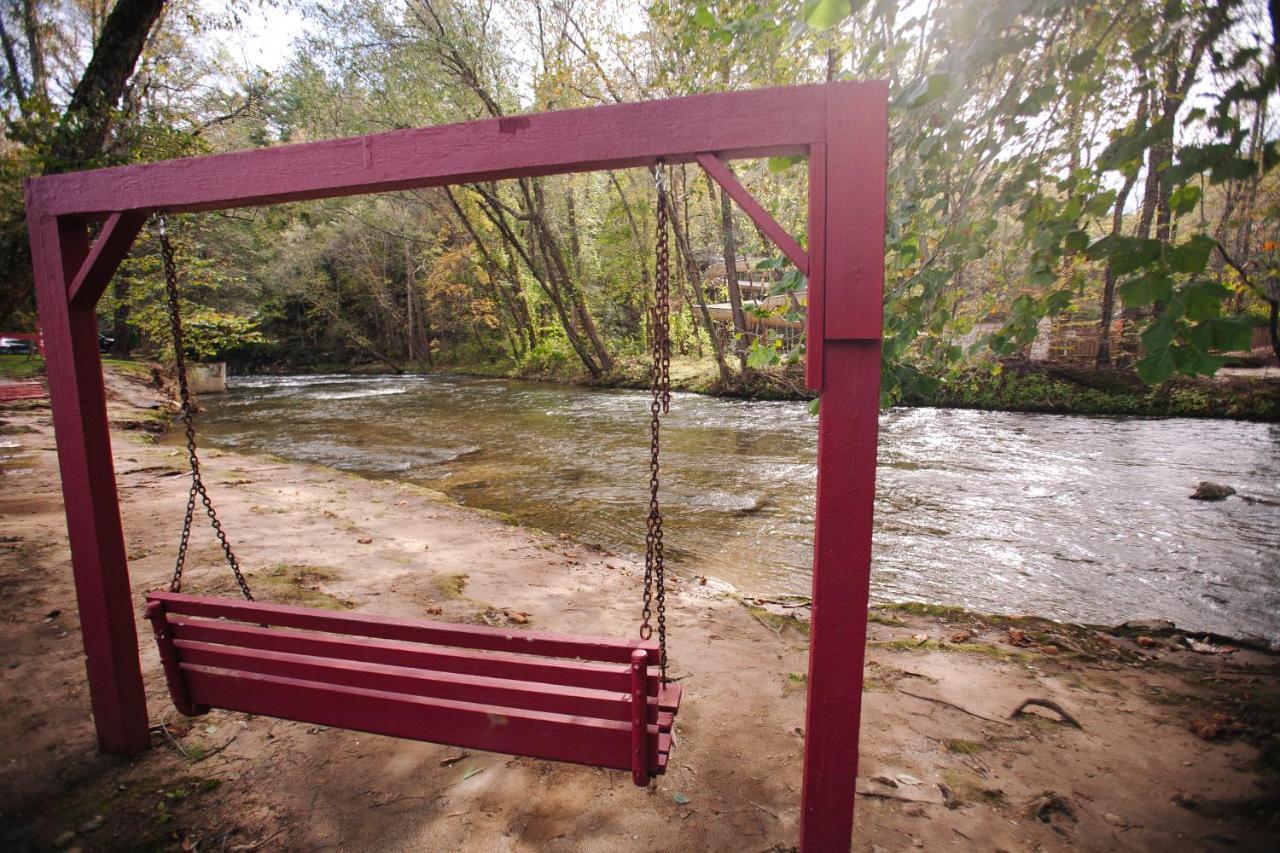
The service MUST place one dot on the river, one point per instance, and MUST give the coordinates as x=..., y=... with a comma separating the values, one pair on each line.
x=1083, y=519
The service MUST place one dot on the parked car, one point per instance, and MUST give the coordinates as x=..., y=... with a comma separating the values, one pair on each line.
x=17, y=346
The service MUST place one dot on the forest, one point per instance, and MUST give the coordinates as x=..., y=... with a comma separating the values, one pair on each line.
x=1093, y=169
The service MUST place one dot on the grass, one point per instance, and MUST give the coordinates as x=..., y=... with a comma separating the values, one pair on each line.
x=777, y=622
x=297, y=584
x=920, y=608
x=1067, y=389
x=21, y=367
x=960, y=746
x=968, y=788
x=450, y=585
x=31, y=366
x=907, y=644
x=881, y=619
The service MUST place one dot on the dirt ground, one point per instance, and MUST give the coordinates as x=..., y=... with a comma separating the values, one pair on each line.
x=1175, y=750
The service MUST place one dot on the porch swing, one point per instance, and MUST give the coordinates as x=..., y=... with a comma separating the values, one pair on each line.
x=599, y=701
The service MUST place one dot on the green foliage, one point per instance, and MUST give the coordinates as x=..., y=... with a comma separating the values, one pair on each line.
x=1080, y=391
x=1039, y=153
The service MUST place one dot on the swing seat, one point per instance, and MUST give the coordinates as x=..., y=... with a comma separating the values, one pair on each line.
x=587, y=700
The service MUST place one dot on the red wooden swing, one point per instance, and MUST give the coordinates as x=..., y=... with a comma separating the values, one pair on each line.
x=589, y=700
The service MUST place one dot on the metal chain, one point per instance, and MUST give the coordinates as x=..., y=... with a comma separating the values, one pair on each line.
x=188, y=419
x=660, y=386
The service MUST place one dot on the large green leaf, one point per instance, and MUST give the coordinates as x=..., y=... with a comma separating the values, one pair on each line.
x=1159, y=334
x=1157, y=366
x=929, y=90
x=1145, y=289
x=761, y=356
x=1191, y=256
x=1202, y=300
x=827, y=13
x=1185, y=198
x=1231, y=334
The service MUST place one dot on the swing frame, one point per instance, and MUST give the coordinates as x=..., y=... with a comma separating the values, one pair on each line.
x=840, y=127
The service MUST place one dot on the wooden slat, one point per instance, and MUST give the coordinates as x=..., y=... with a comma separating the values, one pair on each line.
x=593, y=676
x=557, y=699
x=669, y=697
x=169, y=660
x=602, y=649
x=555, y=737
x=729, y=182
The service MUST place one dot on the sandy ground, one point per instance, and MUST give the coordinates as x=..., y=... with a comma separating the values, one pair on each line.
x=943, y=764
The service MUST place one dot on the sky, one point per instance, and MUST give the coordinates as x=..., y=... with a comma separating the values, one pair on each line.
x=265, y=37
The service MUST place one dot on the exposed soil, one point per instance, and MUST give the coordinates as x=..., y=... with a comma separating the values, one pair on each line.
x=1175, y=749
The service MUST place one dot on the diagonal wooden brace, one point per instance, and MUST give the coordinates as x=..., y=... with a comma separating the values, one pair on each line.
x=720, y=173
x=104, y=259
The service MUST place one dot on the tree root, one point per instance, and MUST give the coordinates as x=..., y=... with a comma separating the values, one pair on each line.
x=1052, y=706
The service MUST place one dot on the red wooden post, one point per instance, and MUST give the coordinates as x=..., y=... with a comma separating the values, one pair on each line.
x=639, y=718
x=851, y=270
x=59, y=246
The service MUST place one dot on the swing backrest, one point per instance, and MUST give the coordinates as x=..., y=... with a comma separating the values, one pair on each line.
x=589, y=700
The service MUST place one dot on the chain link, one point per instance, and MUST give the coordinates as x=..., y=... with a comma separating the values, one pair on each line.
x=187, y=415
x=660, y=404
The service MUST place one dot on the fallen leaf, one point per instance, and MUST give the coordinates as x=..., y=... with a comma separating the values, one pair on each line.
x=454, y=759
x=365, y=541
x=884, y=780
x=680, y=799
x=435, y=610
x=961, y=636
x=907, y=779
x=1211, y=726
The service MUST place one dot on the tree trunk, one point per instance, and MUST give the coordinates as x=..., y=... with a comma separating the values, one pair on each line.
x=82, y=131
x=1117, y=224
x=120, y=329
x=695, y=282
x=35, y=49
x=731, y=277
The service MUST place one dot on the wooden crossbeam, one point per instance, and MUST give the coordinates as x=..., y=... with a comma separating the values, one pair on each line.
x=111, y=247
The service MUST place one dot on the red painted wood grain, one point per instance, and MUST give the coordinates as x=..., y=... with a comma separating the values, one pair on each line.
x=604, y=649
x=555, y=737
x=595, y=676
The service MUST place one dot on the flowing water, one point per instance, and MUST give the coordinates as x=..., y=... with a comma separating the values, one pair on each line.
x=1076, y=518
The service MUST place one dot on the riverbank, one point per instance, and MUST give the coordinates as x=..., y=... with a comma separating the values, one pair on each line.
x=944, y=764
x=1017, y=386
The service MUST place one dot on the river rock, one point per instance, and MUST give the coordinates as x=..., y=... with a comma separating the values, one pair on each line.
x=1207, y=491
x=1145, y=627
